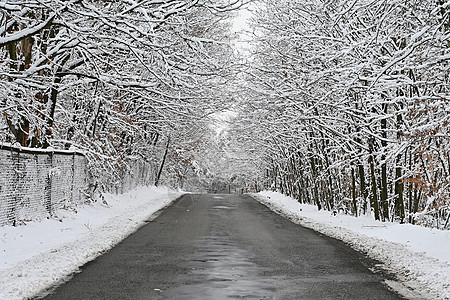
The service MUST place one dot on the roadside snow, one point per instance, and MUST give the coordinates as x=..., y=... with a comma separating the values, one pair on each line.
x=41, y=254
x=418, y=256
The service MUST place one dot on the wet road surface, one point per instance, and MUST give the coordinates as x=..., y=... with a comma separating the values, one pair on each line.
x=226, y=247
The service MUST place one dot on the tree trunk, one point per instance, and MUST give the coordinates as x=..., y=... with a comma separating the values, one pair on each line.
x=384, y=187
x=399, y=205
x=362, y=186
x=374, y=200
x=355, y=207
x=314, y=178
x=12, y=49
x=158, y=176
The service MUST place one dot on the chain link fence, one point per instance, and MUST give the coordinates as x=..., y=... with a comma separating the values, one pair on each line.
x=34, y=183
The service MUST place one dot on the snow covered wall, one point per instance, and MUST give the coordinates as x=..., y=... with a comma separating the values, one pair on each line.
x=33, y=183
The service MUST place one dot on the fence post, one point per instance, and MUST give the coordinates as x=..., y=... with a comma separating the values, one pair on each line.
x=48, y=187
x=73, y=180
x=12, y=211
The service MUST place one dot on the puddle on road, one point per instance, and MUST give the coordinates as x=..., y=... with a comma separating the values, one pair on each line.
x=221, y=270
x=222, y=207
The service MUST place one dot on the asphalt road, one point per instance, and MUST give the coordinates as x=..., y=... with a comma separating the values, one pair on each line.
x=226, y=247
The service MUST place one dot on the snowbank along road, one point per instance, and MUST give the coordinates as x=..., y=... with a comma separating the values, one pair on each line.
x=222, y=247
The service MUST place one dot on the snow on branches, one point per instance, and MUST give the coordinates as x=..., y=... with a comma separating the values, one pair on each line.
x=109, y=77
x=353, y=102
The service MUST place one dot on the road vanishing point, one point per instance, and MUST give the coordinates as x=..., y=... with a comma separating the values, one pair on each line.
x=226, y=247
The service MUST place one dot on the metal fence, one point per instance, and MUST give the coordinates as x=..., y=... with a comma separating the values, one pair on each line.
x=34, y=183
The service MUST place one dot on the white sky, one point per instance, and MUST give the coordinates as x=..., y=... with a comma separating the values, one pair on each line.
x=241, y=28
x=240, y=22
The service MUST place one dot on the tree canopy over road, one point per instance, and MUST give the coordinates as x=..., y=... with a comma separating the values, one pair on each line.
x=343, y=104
x=113, y=78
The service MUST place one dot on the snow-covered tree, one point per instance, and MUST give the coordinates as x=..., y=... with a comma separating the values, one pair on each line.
x=351, y=104
x=115, y=79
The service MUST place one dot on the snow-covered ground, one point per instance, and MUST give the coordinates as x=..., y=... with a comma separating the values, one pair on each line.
x=418, y=256
x=38, y=255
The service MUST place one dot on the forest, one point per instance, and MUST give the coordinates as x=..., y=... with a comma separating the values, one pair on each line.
x=340, y=104
x=350, y=105
x=118, y=80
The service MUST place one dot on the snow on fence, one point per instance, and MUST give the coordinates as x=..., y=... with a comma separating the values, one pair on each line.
x=137, y=173
x=33, y=183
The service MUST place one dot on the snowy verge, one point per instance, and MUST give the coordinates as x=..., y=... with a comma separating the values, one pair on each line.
x=419, y=257
x=36, y=256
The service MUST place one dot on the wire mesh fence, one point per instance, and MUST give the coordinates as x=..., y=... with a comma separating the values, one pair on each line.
x=34, y=183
